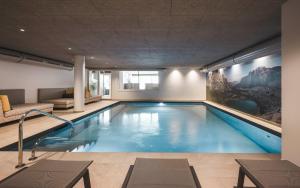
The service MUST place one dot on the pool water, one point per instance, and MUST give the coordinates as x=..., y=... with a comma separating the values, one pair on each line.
x=160, y=127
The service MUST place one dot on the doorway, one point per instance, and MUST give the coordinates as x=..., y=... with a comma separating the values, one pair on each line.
x=105, y=84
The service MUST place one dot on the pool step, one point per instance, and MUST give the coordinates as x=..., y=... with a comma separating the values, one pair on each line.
x=62, y=145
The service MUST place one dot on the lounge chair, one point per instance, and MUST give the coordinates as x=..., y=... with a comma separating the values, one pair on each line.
x=61, y=99
x=161, y=173
x=269, y=173
x=19, y=107
x=50, y=174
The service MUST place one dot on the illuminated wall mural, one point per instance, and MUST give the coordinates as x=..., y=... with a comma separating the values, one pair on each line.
x=253, y=87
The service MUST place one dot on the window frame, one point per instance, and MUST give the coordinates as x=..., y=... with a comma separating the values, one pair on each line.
x=121, y=83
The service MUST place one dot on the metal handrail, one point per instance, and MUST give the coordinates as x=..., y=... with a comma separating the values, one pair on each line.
x=39, y=140
x=20, y=142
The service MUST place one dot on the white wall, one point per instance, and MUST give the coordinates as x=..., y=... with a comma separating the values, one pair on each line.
x=32, y=77
x=290, y=81
x=175, y=85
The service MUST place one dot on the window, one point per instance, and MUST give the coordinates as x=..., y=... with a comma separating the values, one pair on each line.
x=139, y=80
x=99, y=83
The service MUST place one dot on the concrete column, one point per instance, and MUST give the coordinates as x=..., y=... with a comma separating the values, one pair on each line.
x=79, y=83
x=290, y=81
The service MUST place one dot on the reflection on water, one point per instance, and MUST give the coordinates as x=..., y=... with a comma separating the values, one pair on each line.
x=175, y=130
x=152, y=127
x=247, y=106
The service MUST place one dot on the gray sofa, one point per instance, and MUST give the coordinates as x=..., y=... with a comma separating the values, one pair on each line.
x=56, y=97
x=17, y=100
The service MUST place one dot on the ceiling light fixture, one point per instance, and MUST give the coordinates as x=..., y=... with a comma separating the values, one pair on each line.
x=69, y=48
x=22, y=30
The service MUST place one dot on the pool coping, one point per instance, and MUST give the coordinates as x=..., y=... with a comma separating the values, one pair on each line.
x=255, y=122
x=258, y=122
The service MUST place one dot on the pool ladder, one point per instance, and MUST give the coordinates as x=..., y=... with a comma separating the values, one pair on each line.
x=20, y=141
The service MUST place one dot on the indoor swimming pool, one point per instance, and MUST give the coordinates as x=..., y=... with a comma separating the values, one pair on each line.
x=158, y=127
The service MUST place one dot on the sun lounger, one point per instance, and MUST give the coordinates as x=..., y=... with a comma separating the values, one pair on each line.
x=19, y=107
x=269, y=173
x=49, y=174
x=161, y=173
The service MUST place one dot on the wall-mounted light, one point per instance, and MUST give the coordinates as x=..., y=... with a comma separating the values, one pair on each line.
x=203, y=69
x=262, y=59
x=192, y=75
x=221, y=70
x=175, y=76
x=236, y=66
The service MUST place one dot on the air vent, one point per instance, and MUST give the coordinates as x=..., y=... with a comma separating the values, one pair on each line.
x=21, y=57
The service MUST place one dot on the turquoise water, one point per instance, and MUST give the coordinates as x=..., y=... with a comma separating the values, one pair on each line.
x=161, y=127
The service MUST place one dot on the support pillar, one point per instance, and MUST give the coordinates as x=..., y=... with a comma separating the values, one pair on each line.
x=79, y=83
x=290, y=81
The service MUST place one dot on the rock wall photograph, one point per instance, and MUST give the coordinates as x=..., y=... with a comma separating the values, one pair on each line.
x=253, y=87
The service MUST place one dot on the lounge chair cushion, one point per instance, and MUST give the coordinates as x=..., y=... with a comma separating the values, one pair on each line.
x=1, y=110
x=48, y=174
x=70, y=90
x=271, y=173
x=22, y=108
x=87, y=93
x=93, y=99
x=5, y=103
x=61, y=101
x=161, y=173
x=68, y=95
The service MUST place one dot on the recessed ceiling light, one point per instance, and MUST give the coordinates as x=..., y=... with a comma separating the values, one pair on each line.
x=69, y=48
x=22, y=30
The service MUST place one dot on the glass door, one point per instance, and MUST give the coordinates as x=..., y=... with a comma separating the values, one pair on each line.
x=94, y=82
x=105, y=85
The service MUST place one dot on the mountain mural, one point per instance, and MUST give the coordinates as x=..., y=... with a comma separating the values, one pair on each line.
x=262, y=76
x=257, y=93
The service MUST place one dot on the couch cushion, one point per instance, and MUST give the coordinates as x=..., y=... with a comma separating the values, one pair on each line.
x=68, y=95
x=22, y=108
x=87, y=100
x=96, y=98
x=64, y=101
x=17, y=117
x=16, y=96
x=1, y=110
x=93, y=99
x=70, y=91
x=87, y=93
x=5, y=103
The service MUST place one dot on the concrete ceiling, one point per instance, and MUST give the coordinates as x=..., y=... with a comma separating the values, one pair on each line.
x=137, y=33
